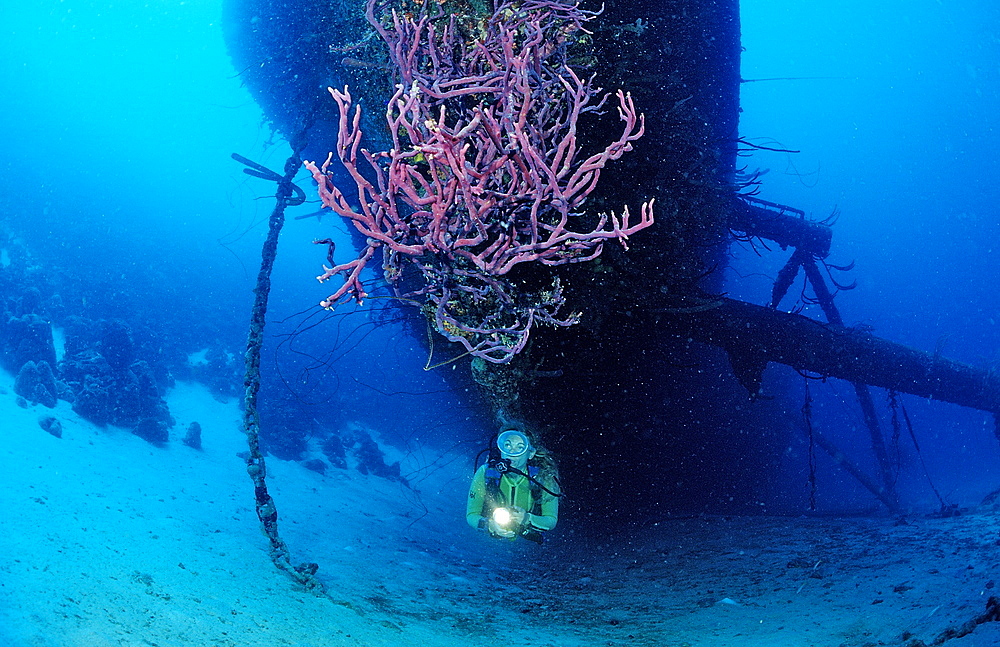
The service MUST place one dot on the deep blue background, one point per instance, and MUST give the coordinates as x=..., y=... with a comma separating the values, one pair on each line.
x=901, y=137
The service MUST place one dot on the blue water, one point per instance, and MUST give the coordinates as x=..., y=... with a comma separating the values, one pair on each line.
x=899, y=135
x=117, y=168
x=115, y=172
x=116, y=177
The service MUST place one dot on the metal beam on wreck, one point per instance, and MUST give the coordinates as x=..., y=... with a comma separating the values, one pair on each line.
x=754, y=335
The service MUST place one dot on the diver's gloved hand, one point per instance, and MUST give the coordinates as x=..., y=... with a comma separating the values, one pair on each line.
x=497, y=530
x=517, y=516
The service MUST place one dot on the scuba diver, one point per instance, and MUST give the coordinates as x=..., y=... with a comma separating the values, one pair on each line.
x=516, y=493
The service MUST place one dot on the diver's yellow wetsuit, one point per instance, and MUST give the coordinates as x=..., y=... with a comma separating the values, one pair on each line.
x=515, y=490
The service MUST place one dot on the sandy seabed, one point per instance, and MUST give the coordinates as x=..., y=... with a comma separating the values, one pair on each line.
x=106, y=540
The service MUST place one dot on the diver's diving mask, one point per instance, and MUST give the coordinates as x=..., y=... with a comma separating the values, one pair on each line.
x=514, y=446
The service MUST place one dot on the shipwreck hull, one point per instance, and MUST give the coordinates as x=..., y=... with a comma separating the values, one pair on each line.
x=646, y=401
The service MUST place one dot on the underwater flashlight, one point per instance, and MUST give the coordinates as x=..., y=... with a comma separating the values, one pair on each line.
x=501, y=516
